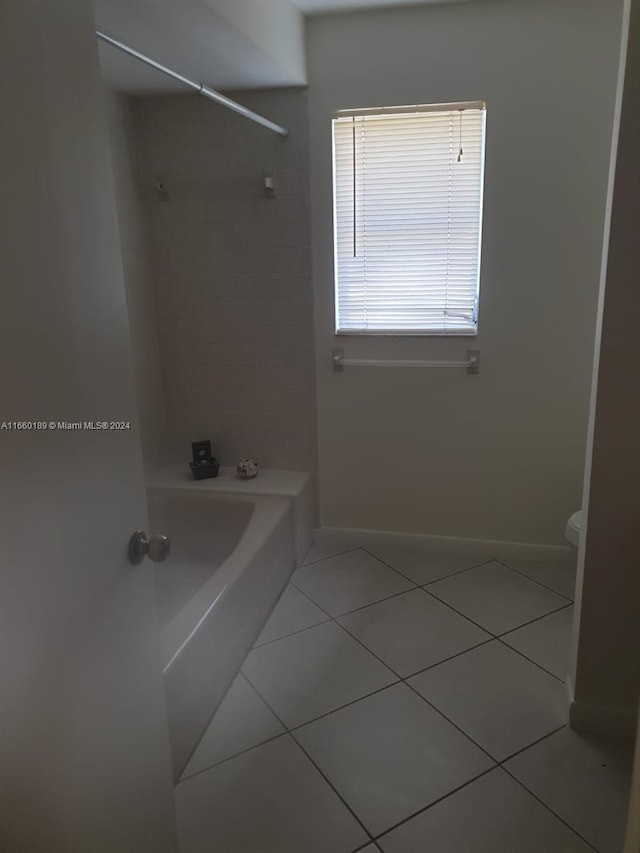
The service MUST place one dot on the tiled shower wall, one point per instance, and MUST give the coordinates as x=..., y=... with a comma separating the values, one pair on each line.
x=138, y=283
x=232, y=273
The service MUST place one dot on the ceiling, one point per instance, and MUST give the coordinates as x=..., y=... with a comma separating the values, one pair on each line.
x=318, y=7
x=226, y=44
x=205, y=40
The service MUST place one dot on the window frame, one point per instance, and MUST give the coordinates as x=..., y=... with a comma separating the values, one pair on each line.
x=471, y=331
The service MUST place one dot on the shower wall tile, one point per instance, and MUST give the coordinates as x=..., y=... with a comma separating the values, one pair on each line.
x=232, y=275
x=269, y=309
x=141, y=296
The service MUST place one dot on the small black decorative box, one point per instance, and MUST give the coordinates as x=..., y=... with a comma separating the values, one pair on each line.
x=205, y=470
x=204, y=465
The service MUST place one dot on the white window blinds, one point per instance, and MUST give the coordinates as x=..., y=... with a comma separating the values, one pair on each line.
x=408, y=185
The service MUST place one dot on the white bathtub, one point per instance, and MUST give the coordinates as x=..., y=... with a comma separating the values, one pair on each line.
x=231, y=556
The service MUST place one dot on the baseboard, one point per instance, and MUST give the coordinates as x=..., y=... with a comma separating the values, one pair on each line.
x=602, y=719
x=487, y=548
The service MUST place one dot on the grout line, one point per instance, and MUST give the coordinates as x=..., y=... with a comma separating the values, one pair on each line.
x=537, y=619
x=328, y=615
x=444, y=577
x=254, y=689
x=292, y=633
x=346, y=705
x=451, y=607
x=498, y=637
x=475, y=779
x=497, y=766
x=533, y=743
x=566, y=606
x=535, y=663
x=533, y=580
x=231, y=757
x=369, y=554
x=455, y=725
x=414, y=585
x=288, y=733
x=435, y=803
x=333, y=788
x=388, y=565
x=424, y=587
x=411, y=674
x=355, y=609
x=378, y=601
x=276, y=603
x=291, y=736
x=477, y=646
x=404, y=680
x=462, y=571
x=328, y=557
x=446, y=660
x=486, y=630
x=306, y=554
x=549, y=809
x=400, y=680
x=195, y=748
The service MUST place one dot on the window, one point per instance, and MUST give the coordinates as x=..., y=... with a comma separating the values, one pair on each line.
x=408, y=185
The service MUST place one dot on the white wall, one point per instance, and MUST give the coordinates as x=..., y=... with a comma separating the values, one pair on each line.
x=137, y=276
x=500, y=455
x=607, y=666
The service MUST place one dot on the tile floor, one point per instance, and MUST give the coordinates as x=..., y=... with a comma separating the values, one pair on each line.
x=404, y=701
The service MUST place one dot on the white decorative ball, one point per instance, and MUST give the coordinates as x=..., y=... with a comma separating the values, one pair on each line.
x=247, y=469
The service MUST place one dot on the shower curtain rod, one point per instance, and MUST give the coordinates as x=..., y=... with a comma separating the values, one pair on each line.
x=200, y=88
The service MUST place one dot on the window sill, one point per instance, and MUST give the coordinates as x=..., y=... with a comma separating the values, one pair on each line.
x=369, y=333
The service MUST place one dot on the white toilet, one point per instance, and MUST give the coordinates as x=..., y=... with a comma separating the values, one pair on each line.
x=574, y=528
